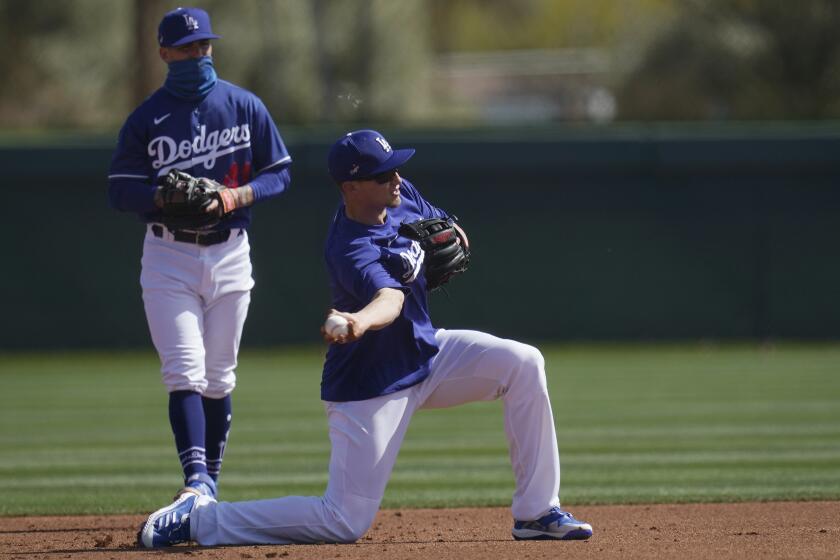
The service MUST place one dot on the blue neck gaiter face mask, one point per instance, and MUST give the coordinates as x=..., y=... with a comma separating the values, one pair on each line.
x=191, y=79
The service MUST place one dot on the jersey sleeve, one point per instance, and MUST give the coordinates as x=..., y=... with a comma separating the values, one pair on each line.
x=271, y=158
x=361, y=273
x=425, y=209
x=130, y=185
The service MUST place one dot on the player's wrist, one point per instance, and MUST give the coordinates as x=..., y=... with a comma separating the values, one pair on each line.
x=244, y=196
x=227, y=201
x=360, y=325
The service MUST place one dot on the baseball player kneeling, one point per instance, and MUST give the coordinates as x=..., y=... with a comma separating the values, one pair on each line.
x=386, y=248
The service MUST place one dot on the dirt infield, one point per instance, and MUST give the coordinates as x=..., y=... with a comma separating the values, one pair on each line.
x=743, y=531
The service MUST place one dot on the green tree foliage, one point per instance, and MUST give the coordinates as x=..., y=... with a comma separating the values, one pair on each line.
x=477, y=25
x=346, y=61
x=59, y=60
x=81, y=63
x=741, y=59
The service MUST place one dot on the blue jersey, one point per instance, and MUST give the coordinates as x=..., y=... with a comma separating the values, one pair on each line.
x=361, y=260
x=228, y=136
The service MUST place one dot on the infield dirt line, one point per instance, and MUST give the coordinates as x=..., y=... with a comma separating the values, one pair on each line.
x=742, y=531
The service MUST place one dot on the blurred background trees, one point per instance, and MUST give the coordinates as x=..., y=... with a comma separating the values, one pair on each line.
x=83, y=64
x=740, y=59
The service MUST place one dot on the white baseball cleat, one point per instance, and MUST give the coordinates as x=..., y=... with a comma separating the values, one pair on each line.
x=555, y=525
x=170, y=525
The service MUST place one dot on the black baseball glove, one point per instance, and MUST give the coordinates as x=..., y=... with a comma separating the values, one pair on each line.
x=447, y=251
x=186, y=199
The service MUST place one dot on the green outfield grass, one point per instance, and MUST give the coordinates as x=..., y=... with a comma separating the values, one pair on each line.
x=88, y=433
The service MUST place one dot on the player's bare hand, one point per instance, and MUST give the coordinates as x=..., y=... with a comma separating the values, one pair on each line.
x=354, y=330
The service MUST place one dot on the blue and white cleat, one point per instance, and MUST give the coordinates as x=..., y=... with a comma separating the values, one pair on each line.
x=555, y=525
x=169, y=525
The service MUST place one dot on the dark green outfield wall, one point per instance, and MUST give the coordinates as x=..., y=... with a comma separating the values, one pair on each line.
x=626, y=233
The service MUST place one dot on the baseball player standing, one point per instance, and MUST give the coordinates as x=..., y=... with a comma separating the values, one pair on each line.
x=389, y=363
x=196, y=282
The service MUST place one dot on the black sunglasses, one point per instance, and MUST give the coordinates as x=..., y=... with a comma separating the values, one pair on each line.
x=382, y=178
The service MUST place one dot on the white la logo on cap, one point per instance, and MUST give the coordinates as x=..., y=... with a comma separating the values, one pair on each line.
x=384, y=143
x=192, y=23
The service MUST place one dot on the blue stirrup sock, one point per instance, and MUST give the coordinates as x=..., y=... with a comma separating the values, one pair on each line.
x=218, y=417
x=186, y=415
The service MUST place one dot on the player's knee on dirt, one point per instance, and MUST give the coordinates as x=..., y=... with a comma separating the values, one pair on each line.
x=353, y=533
x=355, y=518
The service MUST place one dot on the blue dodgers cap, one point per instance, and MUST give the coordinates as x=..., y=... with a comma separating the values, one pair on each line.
x=363, y=153
x=184, y=25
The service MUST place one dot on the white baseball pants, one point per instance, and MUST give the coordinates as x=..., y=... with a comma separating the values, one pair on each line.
x=366, y=437
x=196, y=301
